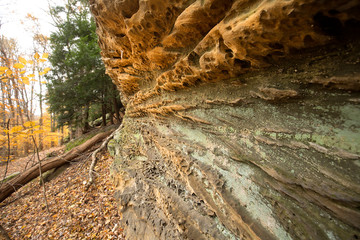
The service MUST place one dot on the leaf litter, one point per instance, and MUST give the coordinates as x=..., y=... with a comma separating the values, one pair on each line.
x=74, y=212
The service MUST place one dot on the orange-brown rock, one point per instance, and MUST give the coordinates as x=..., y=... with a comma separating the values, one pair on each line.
x=150, y=46
x=242, y=117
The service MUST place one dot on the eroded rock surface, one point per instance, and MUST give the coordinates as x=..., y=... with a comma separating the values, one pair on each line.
x=242, y=117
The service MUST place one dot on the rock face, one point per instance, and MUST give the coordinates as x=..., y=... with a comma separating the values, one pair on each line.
x=242, y=117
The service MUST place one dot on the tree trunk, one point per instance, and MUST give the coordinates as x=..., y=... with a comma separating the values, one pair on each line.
x=18, y=103
x=72, y=131
x=111, y=115
x=10, y=102
x=3, y=102
x=16, y=183
x=51, y=123
x=103, y=110
x=61, y=140
x=41, y=120
x=86, y=119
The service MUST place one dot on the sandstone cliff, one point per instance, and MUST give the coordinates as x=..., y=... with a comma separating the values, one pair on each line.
x=242, y=117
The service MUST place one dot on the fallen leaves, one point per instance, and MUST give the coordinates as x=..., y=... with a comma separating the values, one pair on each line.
x=75, y=213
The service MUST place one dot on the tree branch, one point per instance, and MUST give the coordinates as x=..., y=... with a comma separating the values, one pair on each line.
x=94, y=158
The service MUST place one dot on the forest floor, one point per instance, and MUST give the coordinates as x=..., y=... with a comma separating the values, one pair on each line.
x=75, y=213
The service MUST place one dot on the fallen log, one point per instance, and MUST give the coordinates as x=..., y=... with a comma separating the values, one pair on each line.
x=7, y=178
x=20, y=180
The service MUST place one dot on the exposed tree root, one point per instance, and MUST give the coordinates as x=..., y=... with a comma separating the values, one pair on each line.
x=94, y=158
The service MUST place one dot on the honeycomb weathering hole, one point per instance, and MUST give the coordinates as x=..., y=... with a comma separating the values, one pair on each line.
x=329, y=25
x=129, y=8
x=242, y=63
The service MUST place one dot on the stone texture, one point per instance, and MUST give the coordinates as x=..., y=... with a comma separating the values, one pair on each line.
x=242, y=117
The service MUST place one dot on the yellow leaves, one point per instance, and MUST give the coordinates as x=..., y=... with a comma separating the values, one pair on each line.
x=29, y=124
x=38, y=131
x=9, y=72
x=43, y=58
x=18, y=65
x=46, y=70
x=43, y=82
x=3, y=69
x=16, y=129
x=3, y=140
x=25, y=80
x=31, y=17
x=31, y=76
x=21, y=133
x=22, y=60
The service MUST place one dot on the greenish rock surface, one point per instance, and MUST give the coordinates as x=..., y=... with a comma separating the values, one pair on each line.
x=230, y=168
x=242, y=117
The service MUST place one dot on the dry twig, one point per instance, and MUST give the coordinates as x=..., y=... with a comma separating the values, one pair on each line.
x=94, y=159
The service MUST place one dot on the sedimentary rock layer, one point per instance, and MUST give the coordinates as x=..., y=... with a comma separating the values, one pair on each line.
x=242, y=117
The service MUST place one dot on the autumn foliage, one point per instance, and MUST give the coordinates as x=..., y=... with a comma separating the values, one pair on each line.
x=21, y=131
